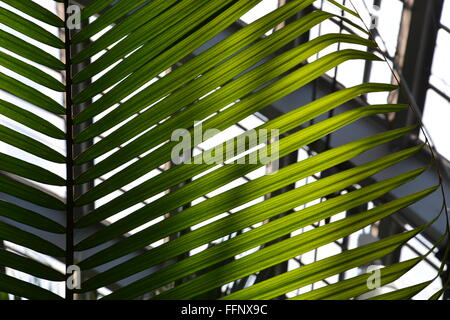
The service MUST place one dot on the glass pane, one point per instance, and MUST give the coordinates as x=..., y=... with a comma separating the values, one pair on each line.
x=440, y=69
x=389, y=17
x=263, y=8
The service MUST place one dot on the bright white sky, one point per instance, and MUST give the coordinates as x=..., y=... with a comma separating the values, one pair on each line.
x=437, y=112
